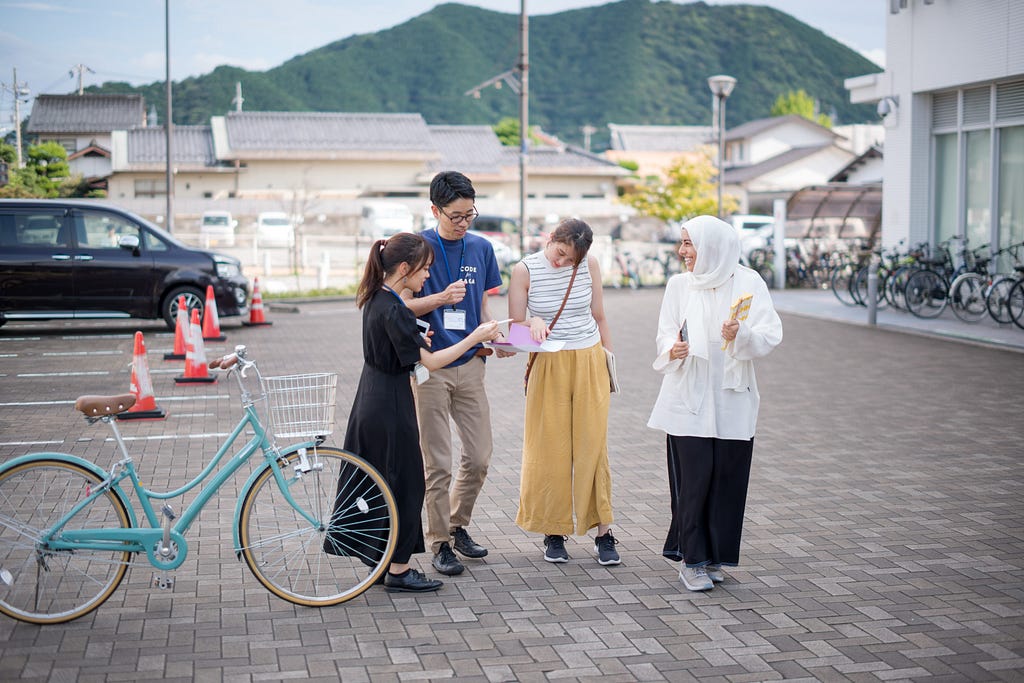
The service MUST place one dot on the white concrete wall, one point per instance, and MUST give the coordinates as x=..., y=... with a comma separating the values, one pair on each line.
x=930, y=47
x=783, y=138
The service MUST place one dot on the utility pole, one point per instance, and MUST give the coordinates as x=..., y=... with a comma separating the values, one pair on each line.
x=588, y=130
x=169, y=119
x=518, y=82
x=18, y=90
x=80, y=68
x=524, y=119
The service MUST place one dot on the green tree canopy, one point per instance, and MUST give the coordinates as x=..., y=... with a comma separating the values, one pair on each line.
x=46, y=174
x=688, y=189
x=800, y=103
x=8, y=153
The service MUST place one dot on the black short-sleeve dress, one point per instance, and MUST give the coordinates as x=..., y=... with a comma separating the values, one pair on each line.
x=382, y=425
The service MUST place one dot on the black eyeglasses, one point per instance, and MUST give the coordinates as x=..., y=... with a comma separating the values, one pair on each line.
x=460, y=218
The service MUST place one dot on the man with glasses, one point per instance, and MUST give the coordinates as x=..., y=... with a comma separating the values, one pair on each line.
x=454, y=301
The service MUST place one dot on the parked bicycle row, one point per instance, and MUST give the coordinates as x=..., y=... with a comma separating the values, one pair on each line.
x=926, y=279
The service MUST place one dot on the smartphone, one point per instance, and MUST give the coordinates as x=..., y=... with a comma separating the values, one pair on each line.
x=684, y=336
x=424, y=327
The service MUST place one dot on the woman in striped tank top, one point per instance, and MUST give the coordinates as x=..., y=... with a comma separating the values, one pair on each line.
x=566, y=484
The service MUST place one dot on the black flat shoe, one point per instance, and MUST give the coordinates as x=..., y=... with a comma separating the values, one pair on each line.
x=410, y=582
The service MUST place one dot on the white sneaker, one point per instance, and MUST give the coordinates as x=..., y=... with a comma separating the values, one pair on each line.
x=715, y=573
x=695, y=578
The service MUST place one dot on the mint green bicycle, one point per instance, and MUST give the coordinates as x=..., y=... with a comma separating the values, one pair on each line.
x=316, y=525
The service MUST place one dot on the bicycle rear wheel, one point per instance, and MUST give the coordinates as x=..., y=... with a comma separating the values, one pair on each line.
x=841, y=281
x=997, y=299
x=44, y=586
x=926, y=294
x=967, y=297
x=326, y=564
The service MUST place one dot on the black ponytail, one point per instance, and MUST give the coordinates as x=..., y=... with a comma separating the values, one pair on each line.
x=384, y=258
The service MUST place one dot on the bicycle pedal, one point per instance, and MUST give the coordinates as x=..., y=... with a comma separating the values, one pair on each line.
x=163, y=581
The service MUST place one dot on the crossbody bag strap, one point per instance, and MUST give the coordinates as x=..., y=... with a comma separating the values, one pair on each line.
x=565, y=300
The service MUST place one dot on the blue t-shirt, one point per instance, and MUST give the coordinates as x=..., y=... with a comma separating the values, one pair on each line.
x=471, y=259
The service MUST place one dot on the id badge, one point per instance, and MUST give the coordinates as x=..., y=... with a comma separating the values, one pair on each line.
x=420, y=373
x=454, y=319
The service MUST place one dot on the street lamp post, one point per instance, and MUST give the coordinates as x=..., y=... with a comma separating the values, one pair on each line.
x=721, y=87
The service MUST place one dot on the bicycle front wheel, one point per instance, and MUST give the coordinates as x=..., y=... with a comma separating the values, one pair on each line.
x=335, y=560
x=1015, y=304
x=926, y=294
x=967, y=297
x=41, y=585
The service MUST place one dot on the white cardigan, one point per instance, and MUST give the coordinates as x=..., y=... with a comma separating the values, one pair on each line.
x=694, y=400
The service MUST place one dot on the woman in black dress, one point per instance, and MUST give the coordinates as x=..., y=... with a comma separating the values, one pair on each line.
x=382, y=425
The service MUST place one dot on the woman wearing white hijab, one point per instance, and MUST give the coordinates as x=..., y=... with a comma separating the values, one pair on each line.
x=708, y=401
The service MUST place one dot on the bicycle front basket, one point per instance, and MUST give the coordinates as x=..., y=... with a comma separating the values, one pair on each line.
x=301, y=405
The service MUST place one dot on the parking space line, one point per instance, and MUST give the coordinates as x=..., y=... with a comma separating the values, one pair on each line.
x=20, y=404
x=84, y=353
x=62, y=374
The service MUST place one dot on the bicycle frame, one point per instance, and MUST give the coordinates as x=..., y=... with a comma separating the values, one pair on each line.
x=150, y=539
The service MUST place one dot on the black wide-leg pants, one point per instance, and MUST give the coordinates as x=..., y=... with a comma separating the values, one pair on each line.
x=708, y=481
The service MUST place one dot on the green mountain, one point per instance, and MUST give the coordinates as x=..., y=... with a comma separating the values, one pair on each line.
x=628, y=62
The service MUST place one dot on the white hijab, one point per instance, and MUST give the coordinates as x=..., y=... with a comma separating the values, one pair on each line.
x=718, y=255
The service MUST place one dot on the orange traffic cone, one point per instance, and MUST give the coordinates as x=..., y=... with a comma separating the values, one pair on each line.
x=142, y=387
x=256, y=316
x=195, y=356
x=180, y=331
x=211, y=322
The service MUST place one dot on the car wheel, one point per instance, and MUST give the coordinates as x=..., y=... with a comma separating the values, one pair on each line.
x=169, y=307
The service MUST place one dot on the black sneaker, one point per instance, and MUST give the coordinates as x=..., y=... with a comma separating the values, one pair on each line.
x=411, y=581
x=446, y=562
x=466, y=545
x=604, y=546
x=555, y=549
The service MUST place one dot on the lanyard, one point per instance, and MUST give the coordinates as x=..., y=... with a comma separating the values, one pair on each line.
x=444, y=255
x=395, y=293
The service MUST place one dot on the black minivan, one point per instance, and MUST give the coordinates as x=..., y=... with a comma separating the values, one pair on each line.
x=81, y=259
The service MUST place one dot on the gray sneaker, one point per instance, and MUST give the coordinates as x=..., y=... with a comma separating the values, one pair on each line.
x=695, y=578
x=715, y=573
x=555, y=549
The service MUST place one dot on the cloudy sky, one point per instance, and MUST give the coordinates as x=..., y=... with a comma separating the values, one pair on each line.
x=123, y=40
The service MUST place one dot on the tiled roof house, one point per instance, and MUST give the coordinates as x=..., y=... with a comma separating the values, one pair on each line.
x=82, y=124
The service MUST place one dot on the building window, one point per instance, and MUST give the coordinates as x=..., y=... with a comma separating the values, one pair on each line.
x=978, y=164
x=945, y=186
x=1011, y=180
x=150, y=188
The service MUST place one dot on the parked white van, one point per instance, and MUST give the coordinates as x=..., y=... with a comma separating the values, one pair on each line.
x=384, y=219
x=274, y=229
x=217, y=228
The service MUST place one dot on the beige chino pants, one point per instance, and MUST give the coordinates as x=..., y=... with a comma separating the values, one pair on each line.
x=453, y=395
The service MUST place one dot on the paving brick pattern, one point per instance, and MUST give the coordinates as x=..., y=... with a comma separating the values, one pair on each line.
x=884, y=538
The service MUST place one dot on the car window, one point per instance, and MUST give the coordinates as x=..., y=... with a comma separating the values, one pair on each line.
x=43, y=228
x=153, y=242
x=97, y=230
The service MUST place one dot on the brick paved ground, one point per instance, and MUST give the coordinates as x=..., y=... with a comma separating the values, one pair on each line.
x=884, y=536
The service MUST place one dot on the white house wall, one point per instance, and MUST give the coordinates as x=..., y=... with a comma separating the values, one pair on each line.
x=811, y=170
x=783, y=138
x=281, y=176
x=932, y=47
